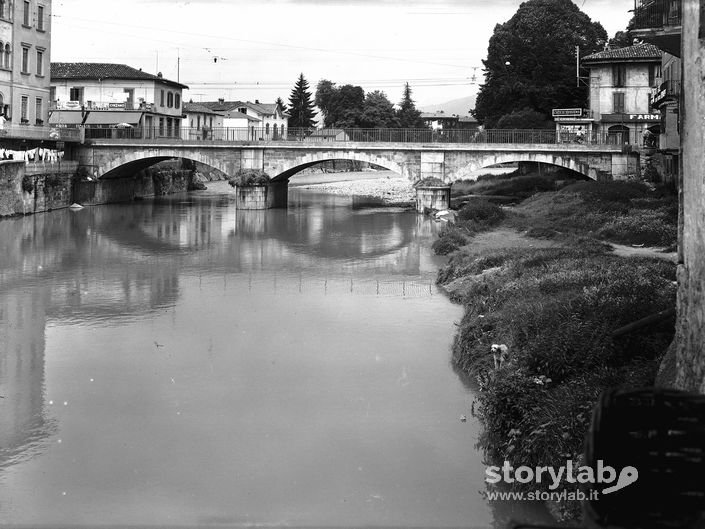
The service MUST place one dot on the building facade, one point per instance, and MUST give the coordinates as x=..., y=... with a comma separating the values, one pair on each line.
x=102, y=96
x=622, y=82
x=266, y=121
x=25, y=47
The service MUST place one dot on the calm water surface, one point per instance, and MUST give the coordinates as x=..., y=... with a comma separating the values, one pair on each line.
x=178, y=362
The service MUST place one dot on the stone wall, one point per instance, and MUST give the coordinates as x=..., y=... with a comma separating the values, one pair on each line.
x=690, y=330
x=146, y=183
x=23, y=194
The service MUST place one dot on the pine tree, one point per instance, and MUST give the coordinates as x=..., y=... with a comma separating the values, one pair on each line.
x=408, y=115
x=281, y=105
x=301, y=111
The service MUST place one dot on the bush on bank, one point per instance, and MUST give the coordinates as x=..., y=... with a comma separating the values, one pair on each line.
x=555, y=308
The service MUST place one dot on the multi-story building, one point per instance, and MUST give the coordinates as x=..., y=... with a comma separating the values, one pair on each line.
x=660, y=24
x=622, y=82
x=103, y=97
x=25, y=45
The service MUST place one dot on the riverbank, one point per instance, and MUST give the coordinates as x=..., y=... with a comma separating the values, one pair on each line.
x=543, y=279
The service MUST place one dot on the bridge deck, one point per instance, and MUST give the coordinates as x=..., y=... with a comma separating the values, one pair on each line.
x=347, y=146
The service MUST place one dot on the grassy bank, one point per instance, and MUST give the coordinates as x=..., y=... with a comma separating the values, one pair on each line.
x=556, y=308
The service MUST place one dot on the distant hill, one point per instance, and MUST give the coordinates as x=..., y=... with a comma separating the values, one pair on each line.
x=460, y=106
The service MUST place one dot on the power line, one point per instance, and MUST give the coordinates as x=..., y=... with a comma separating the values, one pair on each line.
x=268, y=43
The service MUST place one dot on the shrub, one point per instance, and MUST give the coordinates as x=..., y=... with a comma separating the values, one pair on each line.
x=430, y=182
x=482, y=212
x=249, y=177
x=449, y=240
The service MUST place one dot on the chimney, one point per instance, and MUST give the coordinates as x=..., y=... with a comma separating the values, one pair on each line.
x=256, y=101
x=160, y=75
x=221, y=100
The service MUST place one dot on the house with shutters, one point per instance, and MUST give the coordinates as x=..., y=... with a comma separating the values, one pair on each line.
x=103, y=97
x=621, y=83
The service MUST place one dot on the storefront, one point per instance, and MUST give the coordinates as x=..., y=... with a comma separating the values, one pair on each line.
x=573, y=125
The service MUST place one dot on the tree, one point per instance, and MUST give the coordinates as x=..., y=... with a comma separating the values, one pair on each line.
x=531, y=60
x=301, y=111
x=622, y=39
x=281, y=105
x=525, y=119
x=378, y=112
x=341, y=107
x=409, y=117
x=326, y=94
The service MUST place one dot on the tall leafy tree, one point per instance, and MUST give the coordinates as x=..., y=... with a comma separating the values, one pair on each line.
x=378, y=112
x=301, y=111
x=408, y=115
x=326, y=96
x=622, y=39
x=280, y=103
x=531, y=60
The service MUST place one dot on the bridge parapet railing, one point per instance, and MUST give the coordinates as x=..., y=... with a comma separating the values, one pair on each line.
x=337, y=135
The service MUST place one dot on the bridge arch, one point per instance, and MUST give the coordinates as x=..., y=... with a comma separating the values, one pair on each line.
x=567, y=161
x=285, y=170
x=129, y=162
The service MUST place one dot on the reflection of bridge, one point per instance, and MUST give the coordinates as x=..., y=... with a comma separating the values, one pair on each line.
x=414, y=160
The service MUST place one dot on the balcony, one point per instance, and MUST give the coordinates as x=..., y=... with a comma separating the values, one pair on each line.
x=668, y=92
x=659, y=22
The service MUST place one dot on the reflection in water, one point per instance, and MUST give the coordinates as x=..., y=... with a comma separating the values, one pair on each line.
x=180, y=362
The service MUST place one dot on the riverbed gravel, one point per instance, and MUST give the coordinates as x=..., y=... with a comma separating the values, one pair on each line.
x=390, y=190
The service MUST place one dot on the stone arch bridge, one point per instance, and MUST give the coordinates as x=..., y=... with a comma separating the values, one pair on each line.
x=283, y=159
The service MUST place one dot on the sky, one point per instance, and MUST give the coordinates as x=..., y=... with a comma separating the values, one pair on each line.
x=256, y=49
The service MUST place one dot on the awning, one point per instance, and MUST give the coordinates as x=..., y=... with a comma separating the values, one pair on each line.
x=65, y=117
x=99, y=117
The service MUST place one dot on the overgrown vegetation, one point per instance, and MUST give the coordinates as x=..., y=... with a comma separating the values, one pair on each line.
x=475, y=216
x=249, y=177
x=557, y=309
x=514, y=184
x=622, y=212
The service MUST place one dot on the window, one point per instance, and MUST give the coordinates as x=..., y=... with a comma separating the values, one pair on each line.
x=198, y=122
x=619, y=75
x=40, y=18
x=26, y=14
x=266, y=129
x=161, y=125
x=176, y=128
x=23, y=111
x=76, y=94
x=2, y=9
x=177, y=100
x=161, y=99
x=8, y=55
x=169, y=99
x=168, y=126
x=40, y=62
x=38, y=111
x=25, y=60
x=654, y=74
x=210, y=122
x=618, y=101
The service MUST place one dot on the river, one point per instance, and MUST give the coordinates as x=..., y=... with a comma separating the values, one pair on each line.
x=175, y=362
